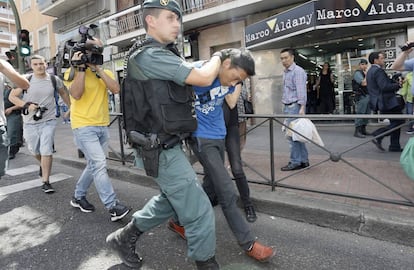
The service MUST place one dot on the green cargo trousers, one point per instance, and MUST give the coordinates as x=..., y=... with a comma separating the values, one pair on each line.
x=181, y=196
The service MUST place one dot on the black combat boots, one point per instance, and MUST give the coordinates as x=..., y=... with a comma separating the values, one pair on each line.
x=123, y=241
x=364, y=130
x=358, y=132
x=210, y=264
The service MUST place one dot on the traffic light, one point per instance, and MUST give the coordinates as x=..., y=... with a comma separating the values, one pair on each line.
x=12, y=58
x=24, y=42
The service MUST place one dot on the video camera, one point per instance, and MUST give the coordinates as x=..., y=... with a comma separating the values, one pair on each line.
x=406, y=47
x=92, y=53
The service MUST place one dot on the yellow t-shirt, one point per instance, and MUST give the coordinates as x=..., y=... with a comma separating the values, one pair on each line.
x=92, y=108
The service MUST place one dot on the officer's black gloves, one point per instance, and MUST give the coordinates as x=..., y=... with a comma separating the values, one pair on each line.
x=223, y=54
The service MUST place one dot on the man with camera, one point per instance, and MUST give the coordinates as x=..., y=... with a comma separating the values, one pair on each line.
x=402, y=63
x=39, y=115
x=88, y=83
x=7, y=70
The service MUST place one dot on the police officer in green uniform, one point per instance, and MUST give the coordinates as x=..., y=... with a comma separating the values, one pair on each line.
x=161, y=75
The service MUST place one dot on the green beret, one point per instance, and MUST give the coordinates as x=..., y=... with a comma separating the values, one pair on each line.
x=164, y=4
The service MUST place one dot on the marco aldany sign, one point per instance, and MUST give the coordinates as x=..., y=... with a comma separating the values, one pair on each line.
x=282, y=25
x=328, y=14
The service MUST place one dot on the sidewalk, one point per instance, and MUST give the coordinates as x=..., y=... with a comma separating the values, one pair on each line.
x=389, y=222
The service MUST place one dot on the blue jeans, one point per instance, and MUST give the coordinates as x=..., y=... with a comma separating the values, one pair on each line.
x=218, y=185
x=93, y=142
x=4, y=150
x=298, y=151
x=183, y=198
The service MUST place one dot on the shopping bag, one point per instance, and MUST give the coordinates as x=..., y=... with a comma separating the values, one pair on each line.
x=407, y=158
x=305, y=127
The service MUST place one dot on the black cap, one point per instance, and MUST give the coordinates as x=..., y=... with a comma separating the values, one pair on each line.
x=164, y=4
x=363, y=61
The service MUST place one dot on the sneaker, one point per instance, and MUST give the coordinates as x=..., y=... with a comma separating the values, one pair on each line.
x=250, y=214
x=410, y=131
x=47, y=188
x=178, y=229
x=82, y=204
x=260, y=252
x=118, y=211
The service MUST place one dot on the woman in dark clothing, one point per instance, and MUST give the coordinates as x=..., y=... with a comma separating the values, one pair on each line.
x=326, y=92
x=312, y=95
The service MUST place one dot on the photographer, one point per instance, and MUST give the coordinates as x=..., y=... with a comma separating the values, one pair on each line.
x=88, y=83
x=402, y=63
x=39, y=115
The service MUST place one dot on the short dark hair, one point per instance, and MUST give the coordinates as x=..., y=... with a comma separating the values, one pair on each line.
x=37, y=56
x=150, y=11
x=374, y=55
x=289, y=50
x=242, y=58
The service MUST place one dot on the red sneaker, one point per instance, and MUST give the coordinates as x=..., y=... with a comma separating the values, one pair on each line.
x=175, y=227
x=260, y=252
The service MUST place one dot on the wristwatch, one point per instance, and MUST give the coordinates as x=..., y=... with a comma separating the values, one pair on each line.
x=81, y=69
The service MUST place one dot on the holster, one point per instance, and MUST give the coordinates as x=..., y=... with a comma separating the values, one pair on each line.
x=150, y=158
x=150, y=148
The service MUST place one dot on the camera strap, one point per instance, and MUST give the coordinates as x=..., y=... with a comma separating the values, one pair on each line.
x=25, y=110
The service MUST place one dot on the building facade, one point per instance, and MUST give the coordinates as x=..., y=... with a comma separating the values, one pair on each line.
x=339, y=32
x=8, y=40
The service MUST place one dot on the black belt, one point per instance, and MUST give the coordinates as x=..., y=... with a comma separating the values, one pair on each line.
x=288, y=104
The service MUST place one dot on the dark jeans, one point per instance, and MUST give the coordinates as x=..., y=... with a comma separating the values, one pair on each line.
x=234, y=155
x=395, y=135
x=218, y=184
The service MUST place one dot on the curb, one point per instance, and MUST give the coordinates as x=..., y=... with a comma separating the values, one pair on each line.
x=382, y=224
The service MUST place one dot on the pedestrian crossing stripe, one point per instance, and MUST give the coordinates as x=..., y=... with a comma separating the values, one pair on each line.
x=6, y=190
x=23, y=170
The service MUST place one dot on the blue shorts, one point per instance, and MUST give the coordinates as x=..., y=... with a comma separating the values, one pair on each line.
x=40, y=137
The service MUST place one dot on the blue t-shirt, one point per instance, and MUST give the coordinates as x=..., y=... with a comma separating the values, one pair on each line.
x=208, y=106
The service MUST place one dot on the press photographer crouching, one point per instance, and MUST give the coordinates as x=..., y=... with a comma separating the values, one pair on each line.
x=88, y=82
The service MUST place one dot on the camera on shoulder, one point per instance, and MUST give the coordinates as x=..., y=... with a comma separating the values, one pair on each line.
x=406, y=47
x=91, y=53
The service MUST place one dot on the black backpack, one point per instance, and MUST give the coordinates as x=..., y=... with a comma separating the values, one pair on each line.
x=357, y=88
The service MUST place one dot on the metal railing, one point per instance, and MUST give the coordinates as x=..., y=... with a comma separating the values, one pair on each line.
x=332, y=156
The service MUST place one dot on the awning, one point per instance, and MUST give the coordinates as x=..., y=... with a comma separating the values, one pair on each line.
x=341, y=17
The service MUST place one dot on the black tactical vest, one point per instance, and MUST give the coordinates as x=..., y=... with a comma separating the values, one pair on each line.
x=157, y=106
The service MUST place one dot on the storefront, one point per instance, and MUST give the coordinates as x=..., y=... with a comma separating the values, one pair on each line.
x=339, y=32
